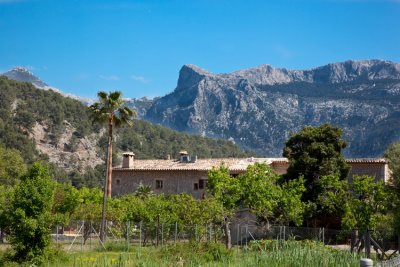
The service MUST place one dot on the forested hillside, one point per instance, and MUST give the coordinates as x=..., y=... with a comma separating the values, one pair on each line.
x=46, y=125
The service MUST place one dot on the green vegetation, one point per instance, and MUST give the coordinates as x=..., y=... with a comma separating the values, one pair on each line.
x=259, y=253
x=22, y=106
x=29, y=217
x=313, y=192
x=260, y=190
x=369, y=204
x=392, y=153
x=110, y=111
x=315, y=153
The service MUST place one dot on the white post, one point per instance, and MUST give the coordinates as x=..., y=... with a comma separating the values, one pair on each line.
x=364, y=262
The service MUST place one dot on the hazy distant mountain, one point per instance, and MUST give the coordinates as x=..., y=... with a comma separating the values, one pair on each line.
x=141, y=105
x=258, y=108
x=24, y=75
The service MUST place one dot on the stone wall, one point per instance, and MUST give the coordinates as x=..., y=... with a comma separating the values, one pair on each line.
x=173, y=182
x=126, y=181
x=377, y=170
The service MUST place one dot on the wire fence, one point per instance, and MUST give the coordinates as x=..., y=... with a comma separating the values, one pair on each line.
x=84, y=235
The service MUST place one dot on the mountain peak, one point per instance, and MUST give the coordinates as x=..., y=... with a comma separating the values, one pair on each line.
x=194, y=68
x=191, y=74
x=22, y=69
x=24, y=75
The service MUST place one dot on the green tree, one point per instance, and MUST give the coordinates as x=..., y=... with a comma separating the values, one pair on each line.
x=333, y=197
x=12, y=166
x=66, y=201
x=110, y=110
x=392, y=153
x=289, y=206
x=227, y=191
x=263, y=193
x=259, y=190
x=5, y=202
x=368, y=202
x=315, y=152
x=30, y=218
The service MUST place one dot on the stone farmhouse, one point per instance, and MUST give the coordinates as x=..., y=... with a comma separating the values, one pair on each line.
x=189, y=174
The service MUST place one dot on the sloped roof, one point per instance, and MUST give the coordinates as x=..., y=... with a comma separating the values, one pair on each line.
x=367, y=160
x=233, y=164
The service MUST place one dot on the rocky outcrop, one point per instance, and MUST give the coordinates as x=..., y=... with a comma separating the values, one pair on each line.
x=69, y=153
x=259, y=108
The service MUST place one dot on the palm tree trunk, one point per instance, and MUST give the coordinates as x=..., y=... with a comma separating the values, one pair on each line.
x=110, y=138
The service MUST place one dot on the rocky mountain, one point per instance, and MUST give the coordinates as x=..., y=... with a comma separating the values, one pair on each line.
x=140, y=105
x=260, y=107
x=24, y=75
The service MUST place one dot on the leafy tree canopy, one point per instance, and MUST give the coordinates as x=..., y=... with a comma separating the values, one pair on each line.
x=392, y=153
x=12, y=166
x=315, y=152
x=368, y=203
x=30, y=217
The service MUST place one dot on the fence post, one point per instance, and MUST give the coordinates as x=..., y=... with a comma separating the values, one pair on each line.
x=323, y=235
x=210, y=229
x=90, y=237
x=128, y=224
x=284, y=233
x=237, y=234
x=57, y=233
x=162, y=234
x=176, y=232
x=83, y=234
x=140, y=234
x=247, y=232
x=195, y=232
x=215, y=233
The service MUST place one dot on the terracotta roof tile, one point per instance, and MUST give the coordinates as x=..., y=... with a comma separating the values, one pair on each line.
x=367, y=160
x=234, y=164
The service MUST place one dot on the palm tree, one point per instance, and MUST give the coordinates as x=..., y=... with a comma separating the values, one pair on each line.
x=109, y=109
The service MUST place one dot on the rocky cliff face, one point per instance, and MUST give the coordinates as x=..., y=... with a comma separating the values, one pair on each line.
x=259, y=108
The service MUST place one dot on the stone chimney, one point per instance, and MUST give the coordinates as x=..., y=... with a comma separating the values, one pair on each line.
x=127, y=160
x=193, y=159
x=184, y=156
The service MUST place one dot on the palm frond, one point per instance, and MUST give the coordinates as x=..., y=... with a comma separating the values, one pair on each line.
x=102, y=95
x=111, y=105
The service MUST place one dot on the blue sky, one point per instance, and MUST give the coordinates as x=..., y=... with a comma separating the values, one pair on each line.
x=138, y=47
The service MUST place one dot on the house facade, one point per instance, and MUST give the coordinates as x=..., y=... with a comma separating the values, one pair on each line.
x=189, y=174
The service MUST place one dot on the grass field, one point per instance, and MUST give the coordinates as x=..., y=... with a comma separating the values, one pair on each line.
x=260, y=253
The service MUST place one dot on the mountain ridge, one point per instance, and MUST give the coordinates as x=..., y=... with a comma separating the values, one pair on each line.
x=260, y=107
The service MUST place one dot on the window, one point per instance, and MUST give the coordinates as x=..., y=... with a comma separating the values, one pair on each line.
x=202, y=183
x=118, y=181
x=159, y=184
x=196, y=186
